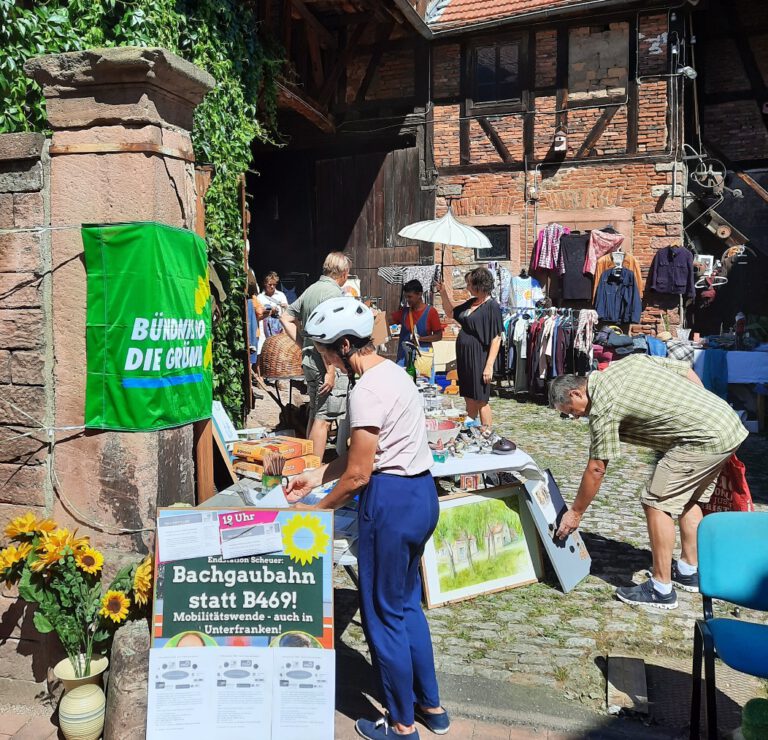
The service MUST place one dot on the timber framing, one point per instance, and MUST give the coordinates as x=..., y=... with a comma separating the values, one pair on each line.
x=520, y=166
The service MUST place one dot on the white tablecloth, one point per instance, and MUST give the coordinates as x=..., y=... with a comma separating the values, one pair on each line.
x=475, y=463
x=743, y=367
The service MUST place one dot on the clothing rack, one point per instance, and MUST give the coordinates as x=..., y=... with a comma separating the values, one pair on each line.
x=553, y=310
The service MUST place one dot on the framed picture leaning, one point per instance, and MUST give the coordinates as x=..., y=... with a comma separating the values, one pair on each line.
x=484, y=542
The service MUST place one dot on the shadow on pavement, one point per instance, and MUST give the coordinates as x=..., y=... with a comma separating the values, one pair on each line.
x=614, y=561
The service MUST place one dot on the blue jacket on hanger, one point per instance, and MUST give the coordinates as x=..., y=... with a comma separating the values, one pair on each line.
x=672, y=272
x=618, y=298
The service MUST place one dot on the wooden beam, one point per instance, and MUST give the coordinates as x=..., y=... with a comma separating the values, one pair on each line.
x=561, y=77
x=325, y=36
x=518, y=166
x=341, y=63
x=529, y=97
x=382, y=35
x=492, y=134
x=465, y=85
x=202, y=433
x=287, y=27
x=633, y=94
x=597, y=130
x=290, y=97
x=315, y=57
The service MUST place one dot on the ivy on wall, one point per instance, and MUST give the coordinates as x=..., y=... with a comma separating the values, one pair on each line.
x=220, y=37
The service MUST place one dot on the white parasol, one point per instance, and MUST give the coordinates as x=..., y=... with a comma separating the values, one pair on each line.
x=448, y=231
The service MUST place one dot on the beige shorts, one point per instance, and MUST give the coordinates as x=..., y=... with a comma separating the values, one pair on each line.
x=682, y=477
x=328, y=406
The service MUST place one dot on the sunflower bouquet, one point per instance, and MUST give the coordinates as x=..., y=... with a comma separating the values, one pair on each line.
x=62, y=574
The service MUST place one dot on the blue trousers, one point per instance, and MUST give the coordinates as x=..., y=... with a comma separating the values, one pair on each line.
x=397, y=517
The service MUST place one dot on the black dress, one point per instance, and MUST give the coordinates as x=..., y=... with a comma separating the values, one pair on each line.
x=478, y=330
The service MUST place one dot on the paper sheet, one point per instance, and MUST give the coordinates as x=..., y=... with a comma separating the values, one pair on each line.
x=189, y=534
x=241, y=694
x=303, y=697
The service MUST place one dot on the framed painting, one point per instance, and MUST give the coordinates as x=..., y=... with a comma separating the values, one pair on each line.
x=484, y=542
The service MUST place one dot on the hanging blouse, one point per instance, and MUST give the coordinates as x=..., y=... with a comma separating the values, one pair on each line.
x=547, y=255
x=600, y=243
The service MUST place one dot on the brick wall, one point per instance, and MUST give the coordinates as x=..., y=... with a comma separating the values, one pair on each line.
x=598, y=61
x=592, y=192
x=394, y=76
x=24, y=388
x=736, y=128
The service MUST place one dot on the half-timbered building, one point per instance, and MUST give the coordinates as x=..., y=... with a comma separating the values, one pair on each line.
x=516, y=114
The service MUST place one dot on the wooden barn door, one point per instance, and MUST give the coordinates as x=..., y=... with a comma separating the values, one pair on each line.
x=362, y=202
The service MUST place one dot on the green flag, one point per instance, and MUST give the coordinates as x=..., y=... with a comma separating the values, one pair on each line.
x=148, y=333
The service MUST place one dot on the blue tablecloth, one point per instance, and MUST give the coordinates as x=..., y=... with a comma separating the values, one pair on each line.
x=743, y=367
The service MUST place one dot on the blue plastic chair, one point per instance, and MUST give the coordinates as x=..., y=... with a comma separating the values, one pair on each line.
x=733, y=566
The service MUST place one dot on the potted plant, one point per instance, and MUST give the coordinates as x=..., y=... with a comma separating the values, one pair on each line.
x=61, y=574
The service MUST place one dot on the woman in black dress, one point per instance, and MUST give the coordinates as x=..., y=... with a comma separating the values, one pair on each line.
x=478, y=343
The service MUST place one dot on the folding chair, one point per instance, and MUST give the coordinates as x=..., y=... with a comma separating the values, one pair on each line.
x=733, y=566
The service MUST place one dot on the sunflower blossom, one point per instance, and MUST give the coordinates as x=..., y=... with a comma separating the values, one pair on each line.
x=22, y=526
x=12, y=554
x=48, y=553
x=115, y=605
x=142, y=581
x=89, y=560
x=45, y=525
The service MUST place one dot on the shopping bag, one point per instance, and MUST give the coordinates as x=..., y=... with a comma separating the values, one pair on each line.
x=731, y=490
x=424, y=363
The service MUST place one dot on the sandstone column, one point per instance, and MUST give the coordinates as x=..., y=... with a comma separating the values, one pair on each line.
x=120, y=151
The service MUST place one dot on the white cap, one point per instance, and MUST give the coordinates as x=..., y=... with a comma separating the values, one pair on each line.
x=339, y=317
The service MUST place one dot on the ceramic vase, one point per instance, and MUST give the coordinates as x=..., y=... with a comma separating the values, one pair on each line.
x=81, y=710
x=81, y=713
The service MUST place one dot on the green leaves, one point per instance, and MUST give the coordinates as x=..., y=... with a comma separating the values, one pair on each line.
x=42, y=624
x=218, y=36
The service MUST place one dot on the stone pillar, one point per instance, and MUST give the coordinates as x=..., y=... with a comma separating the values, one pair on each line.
x=25, y=385
x=120, y=151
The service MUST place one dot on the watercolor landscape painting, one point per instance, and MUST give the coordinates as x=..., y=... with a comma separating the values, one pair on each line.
x=480, y=544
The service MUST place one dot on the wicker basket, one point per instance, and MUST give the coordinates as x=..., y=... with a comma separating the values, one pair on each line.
x=280, y=357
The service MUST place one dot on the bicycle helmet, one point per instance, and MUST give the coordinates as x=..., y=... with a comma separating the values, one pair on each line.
x=339, y=317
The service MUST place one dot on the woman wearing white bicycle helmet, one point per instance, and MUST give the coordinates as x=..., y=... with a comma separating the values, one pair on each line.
x=389, y=460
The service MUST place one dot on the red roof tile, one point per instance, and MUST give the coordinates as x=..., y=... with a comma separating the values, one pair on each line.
x=465, y=12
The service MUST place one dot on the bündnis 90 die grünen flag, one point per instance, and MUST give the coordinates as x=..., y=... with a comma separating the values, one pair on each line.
x=148, y=333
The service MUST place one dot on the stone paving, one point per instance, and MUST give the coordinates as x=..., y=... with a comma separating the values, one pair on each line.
x=538, y=635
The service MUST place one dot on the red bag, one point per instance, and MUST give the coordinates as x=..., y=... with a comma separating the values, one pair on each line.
x=731, y=490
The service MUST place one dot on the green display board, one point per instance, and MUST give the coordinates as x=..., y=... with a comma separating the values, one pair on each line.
x=148, y=333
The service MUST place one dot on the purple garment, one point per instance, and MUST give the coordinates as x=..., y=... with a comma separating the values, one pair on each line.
x=672, y=272
x=548, y=255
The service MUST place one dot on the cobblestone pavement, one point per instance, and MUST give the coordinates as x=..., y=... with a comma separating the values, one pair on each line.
x=538, y=635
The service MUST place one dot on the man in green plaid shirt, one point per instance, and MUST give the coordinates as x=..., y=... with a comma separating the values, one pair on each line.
x=659, y=403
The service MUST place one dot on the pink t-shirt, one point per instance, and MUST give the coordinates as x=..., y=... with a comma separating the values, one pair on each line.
x=385, y=397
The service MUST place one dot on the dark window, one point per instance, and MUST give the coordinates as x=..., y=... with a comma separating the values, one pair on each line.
x=499, y=238
x=495, y=72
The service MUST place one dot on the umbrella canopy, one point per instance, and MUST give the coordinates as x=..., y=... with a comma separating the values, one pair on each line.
x=447, y=230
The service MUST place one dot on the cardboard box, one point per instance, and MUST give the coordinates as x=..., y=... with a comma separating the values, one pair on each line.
x=294, y=466
x=288, y=447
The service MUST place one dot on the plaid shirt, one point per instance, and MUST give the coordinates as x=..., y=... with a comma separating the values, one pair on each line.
x=648, y=401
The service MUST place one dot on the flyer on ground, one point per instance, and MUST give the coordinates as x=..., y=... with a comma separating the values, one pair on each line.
x=268, y=585
x=148, y=327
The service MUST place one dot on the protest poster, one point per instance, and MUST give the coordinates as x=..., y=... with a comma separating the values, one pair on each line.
x=148, y=327
x=269, y=585
x=260, y=605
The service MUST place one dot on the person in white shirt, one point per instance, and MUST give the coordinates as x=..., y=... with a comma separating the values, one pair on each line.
x=388, y=462
x=274, y=301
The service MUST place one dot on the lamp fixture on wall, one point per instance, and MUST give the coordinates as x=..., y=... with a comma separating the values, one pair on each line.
x=688, y=72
